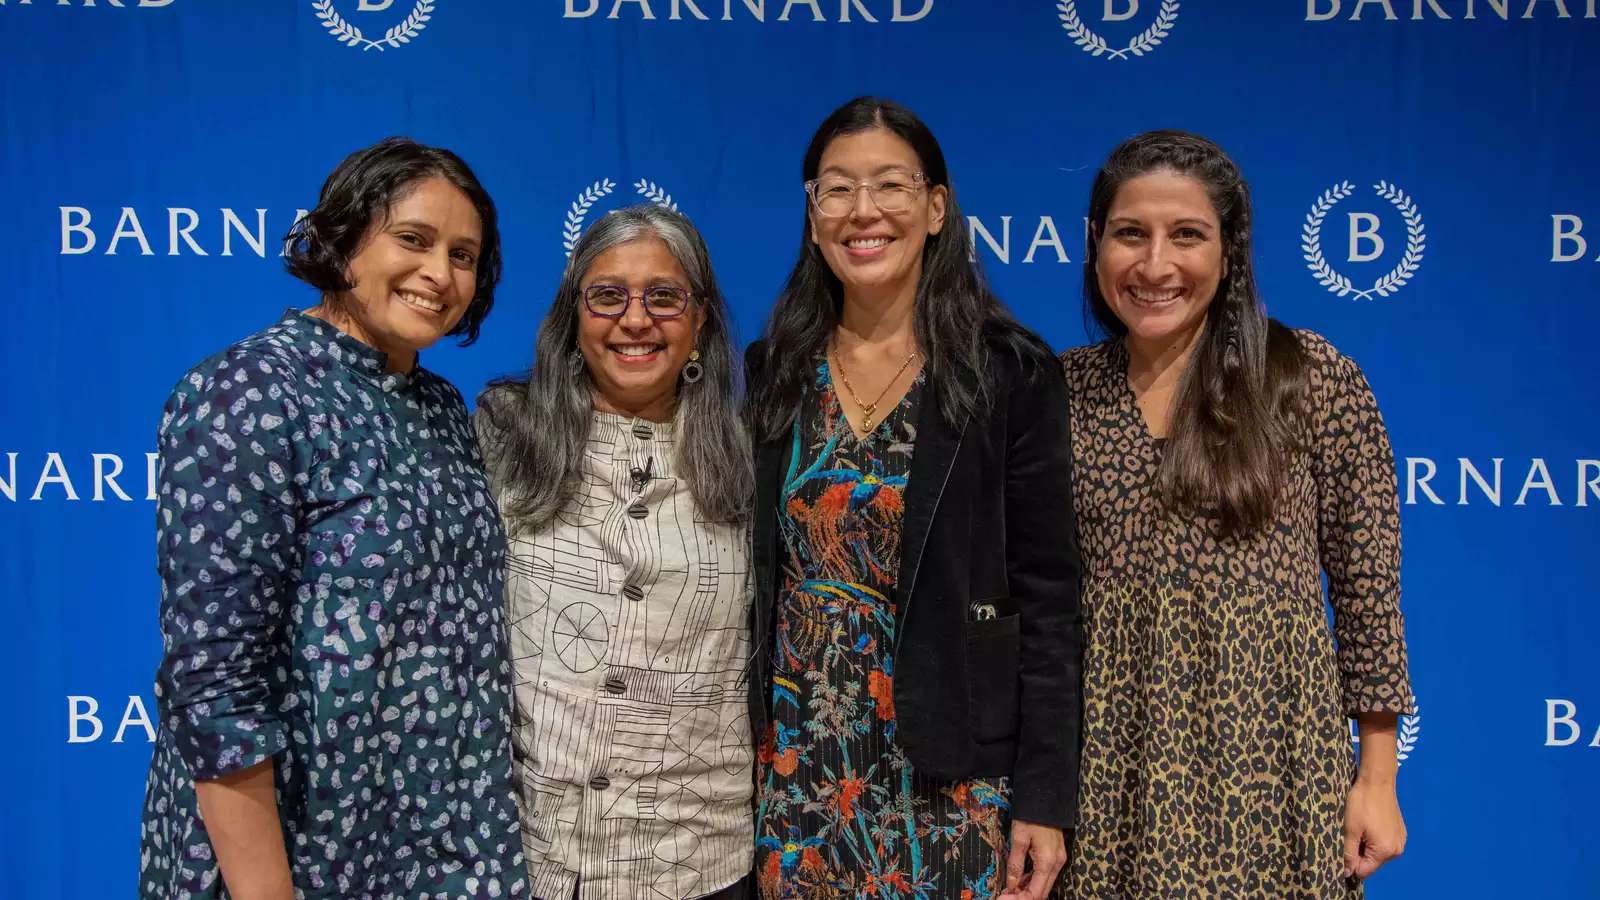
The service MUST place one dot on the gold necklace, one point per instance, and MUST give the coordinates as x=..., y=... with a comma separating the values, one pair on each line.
x=869, y=409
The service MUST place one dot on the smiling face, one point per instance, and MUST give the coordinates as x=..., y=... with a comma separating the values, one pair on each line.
x=1160, y=257
x=868, y=249
x=635, y=360
x=415, y=272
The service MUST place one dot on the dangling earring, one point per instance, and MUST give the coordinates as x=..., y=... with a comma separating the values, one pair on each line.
x=575, y=361
x=692, y=370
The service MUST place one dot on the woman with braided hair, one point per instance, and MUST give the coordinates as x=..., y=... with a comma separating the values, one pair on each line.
x=1222, y=464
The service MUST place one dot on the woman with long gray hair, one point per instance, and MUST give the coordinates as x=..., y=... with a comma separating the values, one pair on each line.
x=624, y=477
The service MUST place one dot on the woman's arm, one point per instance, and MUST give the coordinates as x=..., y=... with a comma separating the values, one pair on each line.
x=1359, y=540
x=1379, y=762
x=227, y=552
x=240, y=811
x=1042, y=570
x=1374, y=831
x=1358, y=520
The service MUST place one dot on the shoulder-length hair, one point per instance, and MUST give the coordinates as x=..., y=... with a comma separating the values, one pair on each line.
x=538, y=423
x=957, y=318
x=360, y=193
x=1238, y=405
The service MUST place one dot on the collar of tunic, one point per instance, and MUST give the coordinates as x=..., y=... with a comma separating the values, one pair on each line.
x=361, y=358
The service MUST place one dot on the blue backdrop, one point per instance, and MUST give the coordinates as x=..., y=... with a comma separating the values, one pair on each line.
x=1425, y=197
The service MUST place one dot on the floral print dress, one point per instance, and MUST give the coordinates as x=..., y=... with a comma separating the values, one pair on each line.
x=842, y=813
x=332, y=588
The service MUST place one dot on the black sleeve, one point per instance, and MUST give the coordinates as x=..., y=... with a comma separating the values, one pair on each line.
x=1043, y=570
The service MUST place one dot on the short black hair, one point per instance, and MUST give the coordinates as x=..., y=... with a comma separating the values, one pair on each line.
x=360, y=191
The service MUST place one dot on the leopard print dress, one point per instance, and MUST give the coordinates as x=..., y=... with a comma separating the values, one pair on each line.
x=1217, y=750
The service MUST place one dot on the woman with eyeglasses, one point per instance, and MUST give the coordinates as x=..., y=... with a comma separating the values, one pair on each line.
x=624, y=477
x=916, y=692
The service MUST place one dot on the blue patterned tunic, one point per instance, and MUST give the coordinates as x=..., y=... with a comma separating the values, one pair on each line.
x=331, y=565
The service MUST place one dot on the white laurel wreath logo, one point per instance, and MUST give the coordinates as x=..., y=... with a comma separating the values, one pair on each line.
x=656, y=195
x=1095, y=45
x=1396, y=278
x=351, y=36
x=1406, y=736
x=572, y=229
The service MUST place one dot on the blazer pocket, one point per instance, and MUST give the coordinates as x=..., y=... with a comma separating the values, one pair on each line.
x=994, y=692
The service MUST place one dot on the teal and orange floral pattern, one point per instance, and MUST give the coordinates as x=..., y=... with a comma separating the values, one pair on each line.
x=842, y=813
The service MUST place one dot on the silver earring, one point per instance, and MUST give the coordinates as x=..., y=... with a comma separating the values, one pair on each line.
x=575, y=361
x=692, y=370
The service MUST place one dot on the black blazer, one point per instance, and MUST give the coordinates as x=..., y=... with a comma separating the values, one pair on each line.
x=988, y=523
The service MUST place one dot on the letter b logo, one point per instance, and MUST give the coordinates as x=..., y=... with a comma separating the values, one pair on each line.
x=1366, y=244
x=1113, y=16
x=1364, y=233
x=374, y=5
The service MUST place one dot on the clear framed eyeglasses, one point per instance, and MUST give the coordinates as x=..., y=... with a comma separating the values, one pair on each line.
x=894, y=191
x=660, y=301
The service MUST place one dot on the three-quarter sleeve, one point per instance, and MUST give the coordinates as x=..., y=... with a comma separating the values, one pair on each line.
x=227, y=553
x=1359, y=540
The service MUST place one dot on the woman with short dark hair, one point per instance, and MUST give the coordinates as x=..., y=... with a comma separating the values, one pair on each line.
x=916, y=688
x=334, y=689
x=1223, y=465
x=624, y=475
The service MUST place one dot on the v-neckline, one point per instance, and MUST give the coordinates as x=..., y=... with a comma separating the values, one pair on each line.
x=834, y=390
x=838, y=410
x=1120, y=360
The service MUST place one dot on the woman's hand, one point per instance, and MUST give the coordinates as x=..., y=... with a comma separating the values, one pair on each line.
x=1046, y=847
x=1374, y=833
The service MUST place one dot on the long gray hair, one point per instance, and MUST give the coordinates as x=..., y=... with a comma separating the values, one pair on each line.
x=534, y=427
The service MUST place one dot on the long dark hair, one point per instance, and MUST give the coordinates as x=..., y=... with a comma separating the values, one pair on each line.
x=956, y=315
x=360, y=192
x=535, y=427
x=1242, y=396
